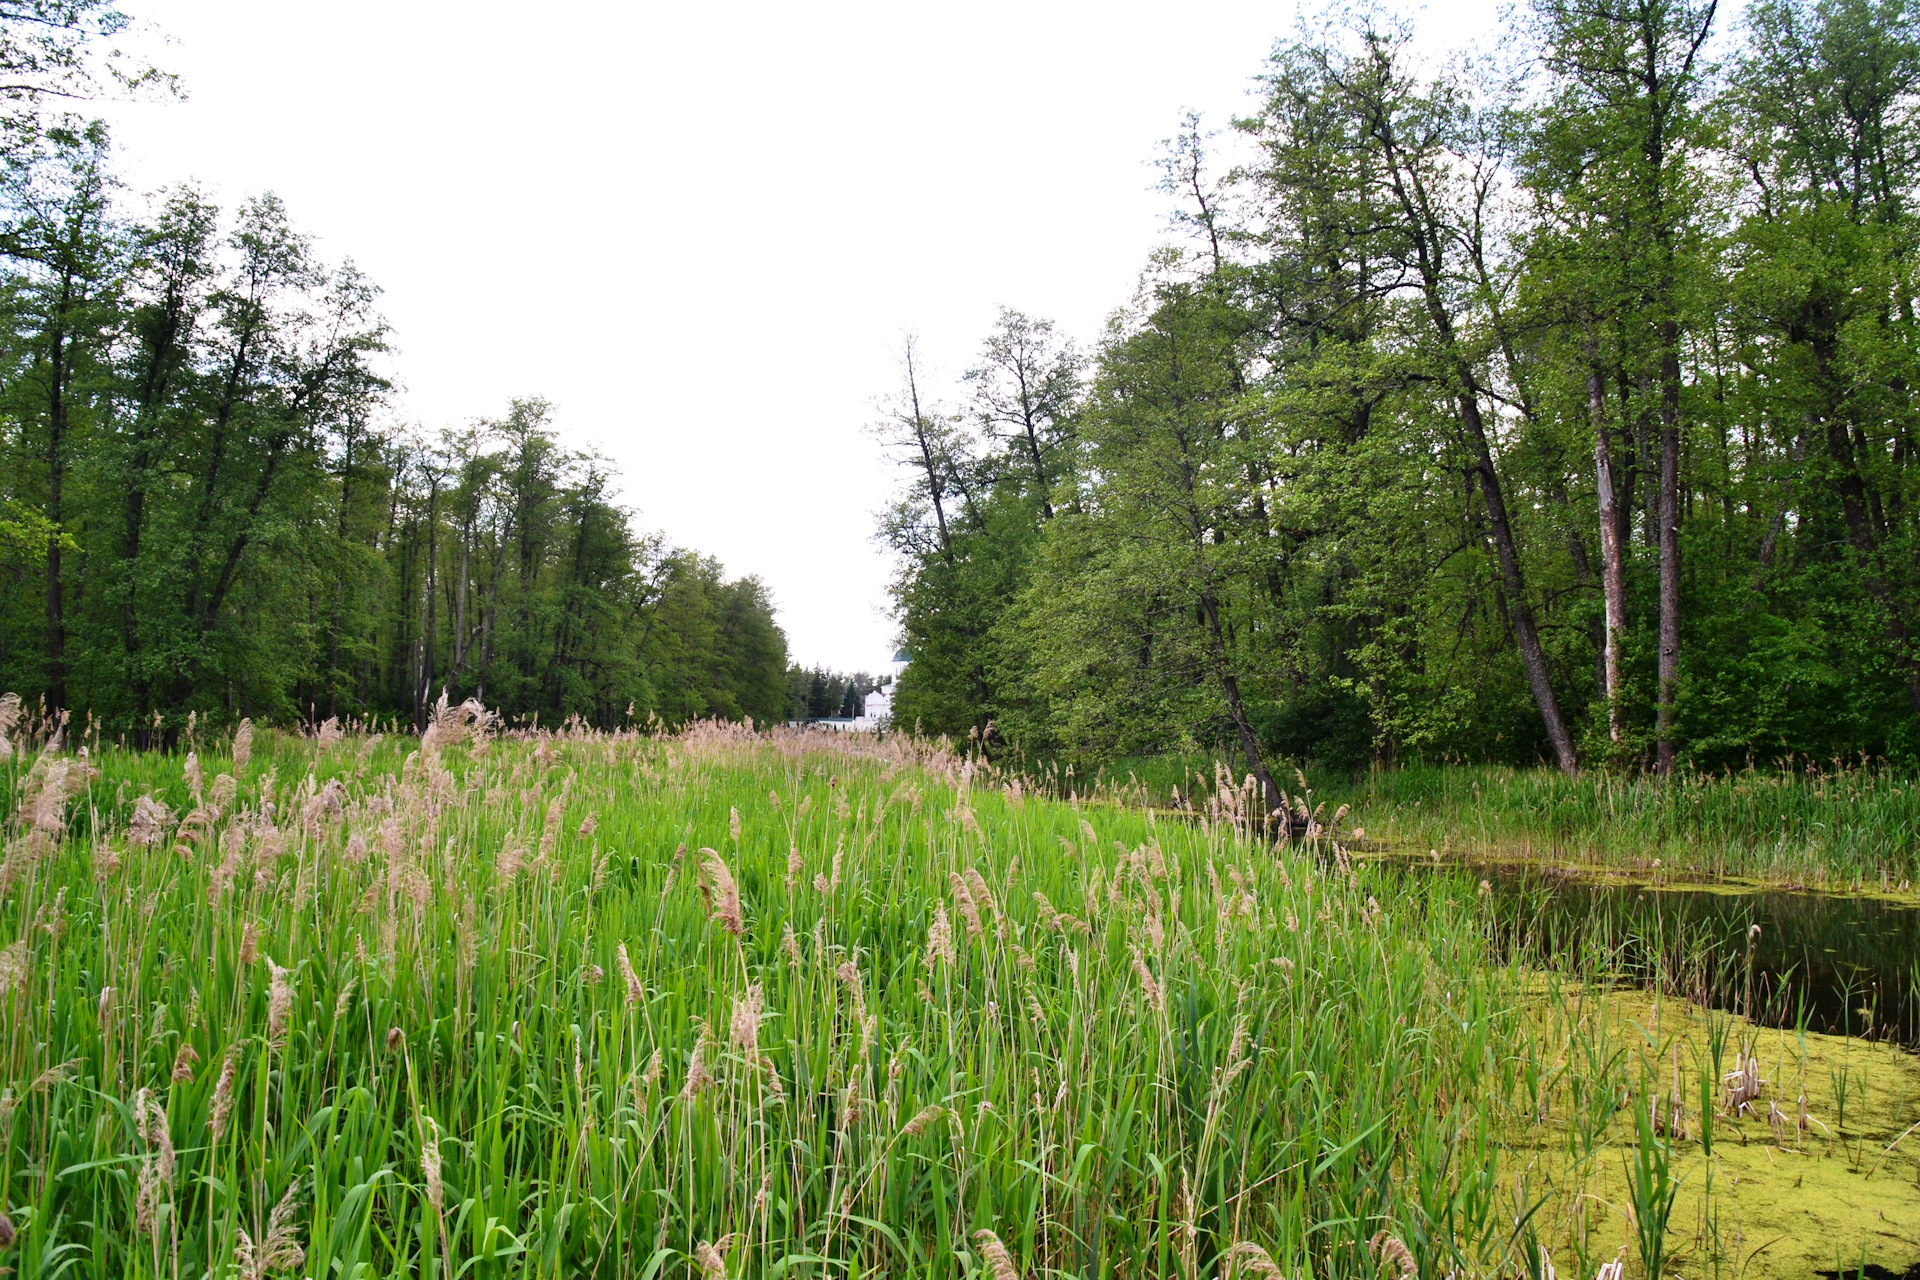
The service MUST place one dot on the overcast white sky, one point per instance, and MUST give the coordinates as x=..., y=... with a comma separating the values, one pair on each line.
x=700, y=229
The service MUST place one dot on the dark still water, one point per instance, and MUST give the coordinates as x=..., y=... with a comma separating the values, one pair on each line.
x=1833, y=964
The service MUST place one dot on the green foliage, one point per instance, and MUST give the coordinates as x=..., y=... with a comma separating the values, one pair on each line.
x=202, y=513
x=1334, y=490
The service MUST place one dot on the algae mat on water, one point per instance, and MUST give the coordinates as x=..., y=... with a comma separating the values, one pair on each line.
x=1757, y=1191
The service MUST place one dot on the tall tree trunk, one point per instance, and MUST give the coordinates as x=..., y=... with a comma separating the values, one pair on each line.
x=1236, y=709
x=1613, y=577
x=1526, y=631
x=56, y=480
x=1669, y=538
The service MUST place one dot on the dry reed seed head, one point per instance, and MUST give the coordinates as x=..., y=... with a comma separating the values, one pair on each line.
x=106, y=1004
x=698, y=1077
x=222, y=1105
x=54, y=1076
x=1255, y=1260
x=712, y=1258
x=656, y=1067
x=594, y=975
x=183, y=1064
x=939, y=938
x=249, y=944
x=724, y=894
x=589, y=825
x=789, y=944
x=242, y=744
x=279, y=1002
x=430, y=1164
x=635, y=992
x=1047, y=914
x=733, y=824
x=7, y=1232
x=922, y=1120
x=396, y=1039
x=982, y=895
x=963, y=900
x=1389, y=1250
x=747, y=1011
x=1155, y=993
x=999, y=1263
x=14, y=967
x=344, y=1001
x=506, y=867
x=796, y=865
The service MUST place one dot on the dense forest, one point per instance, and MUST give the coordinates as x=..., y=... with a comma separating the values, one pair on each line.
x=207, y=505
x=1557, y=407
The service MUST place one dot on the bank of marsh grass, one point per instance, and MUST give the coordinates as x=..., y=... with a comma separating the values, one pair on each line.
x=483, y=1004
x=1834, y=824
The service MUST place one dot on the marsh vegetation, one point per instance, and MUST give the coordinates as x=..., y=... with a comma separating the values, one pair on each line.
x=725, y=1003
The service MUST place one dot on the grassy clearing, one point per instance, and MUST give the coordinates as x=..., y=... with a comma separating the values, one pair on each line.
x=721, y=1004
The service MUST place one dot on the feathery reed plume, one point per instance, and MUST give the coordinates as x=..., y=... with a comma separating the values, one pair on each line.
x=999, y=1261
x=196, y=776
x=242, y=744
x=789, y=944
x=328, y=734
x=150, y=824
x=733, y=825
x=506, y=867
x=279, y=1002
x=54, y=1076
x=1389, y=1250
x=1156, y=994
x=712, y=1258
x=963, y=900
x=222, y=1106
x=939, y=938
x=14, y=967
x=1047, y=914
x=1255, y=1260
x=224, y=791
x=249, y=944
x=183, y=1064
x=746, y=1021
x=723, y=895
x=698, y=1077
x=923, y=1119
x=796, y=866
x=6, y=1224
x=982, y=895
x=156, y=1166
x=635, y=992
x=280, y=1249
x=589, y=825
x=9, y=717
x=550, y=829
x=430, y=1165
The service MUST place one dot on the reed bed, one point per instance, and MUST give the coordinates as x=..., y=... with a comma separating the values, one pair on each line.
x=485, y=1004
x=1832, y=824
